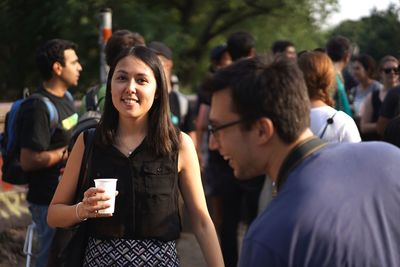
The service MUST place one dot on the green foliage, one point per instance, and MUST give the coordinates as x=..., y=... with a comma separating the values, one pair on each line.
x=189, y=27
x=377, y=35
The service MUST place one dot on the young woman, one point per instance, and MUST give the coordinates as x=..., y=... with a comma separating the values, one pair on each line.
x=363, y=69
x=326, y=122
x=136, y=143
x=370, y=109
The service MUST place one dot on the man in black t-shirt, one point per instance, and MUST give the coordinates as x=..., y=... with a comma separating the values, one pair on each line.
x=44, y=147
x=390, y=109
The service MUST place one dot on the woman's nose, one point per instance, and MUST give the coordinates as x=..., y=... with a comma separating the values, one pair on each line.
x=132, y=85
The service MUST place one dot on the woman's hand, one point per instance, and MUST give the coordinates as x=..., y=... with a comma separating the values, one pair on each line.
x=93, y=200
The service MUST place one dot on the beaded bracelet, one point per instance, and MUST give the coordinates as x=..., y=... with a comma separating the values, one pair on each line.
x=77, y=214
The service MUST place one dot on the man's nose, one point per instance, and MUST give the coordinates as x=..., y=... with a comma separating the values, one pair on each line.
x=212, y=142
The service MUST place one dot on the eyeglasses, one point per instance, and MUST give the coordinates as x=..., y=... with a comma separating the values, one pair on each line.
x=389, y=70
x=214, y=129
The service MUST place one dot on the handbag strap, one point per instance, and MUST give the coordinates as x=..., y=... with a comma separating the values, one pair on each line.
x=88, y=137
x=328, y=121
x=298, y=154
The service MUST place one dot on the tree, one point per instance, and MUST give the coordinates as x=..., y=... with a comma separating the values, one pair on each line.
x=377, y=35
x=190, y=27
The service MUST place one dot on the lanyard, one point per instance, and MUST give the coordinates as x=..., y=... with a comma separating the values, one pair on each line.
x=297, y=155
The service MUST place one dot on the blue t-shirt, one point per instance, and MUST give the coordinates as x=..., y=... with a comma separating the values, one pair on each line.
x=332, y=212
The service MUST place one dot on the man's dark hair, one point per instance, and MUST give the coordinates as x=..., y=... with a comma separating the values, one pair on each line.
x=275, y=90
x=239, y=44
x=50, y=52
x=161, y=49
x=338, y=48
x=118, y=41
x=280, y=46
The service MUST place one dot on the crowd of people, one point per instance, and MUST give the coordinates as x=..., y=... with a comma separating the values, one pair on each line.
x=277, y=141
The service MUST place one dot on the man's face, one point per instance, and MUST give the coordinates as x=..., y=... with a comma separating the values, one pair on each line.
x=70, y=71
x=234, y=143
x=290, y=53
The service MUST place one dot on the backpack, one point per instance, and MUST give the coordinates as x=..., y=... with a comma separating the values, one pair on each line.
x=92, y=100
x=10, y=151
x=88, y=120
x=91, y=117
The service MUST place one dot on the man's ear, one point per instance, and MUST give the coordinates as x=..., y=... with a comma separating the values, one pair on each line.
x=57, y=68
x=265, y=129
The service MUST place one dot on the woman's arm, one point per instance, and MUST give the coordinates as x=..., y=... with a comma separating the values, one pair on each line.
x=193, y=196
x=366, y=126
x=62, y=211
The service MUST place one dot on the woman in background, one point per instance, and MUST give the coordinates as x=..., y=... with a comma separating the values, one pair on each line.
x=326, y=122
x=370, y=109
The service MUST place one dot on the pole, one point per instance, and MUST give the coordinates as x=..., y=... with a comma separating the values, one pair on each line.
x=105, y=33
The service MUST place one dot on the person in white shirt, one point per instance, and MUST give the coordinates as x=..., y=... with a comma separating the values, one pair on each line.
x=327, y=123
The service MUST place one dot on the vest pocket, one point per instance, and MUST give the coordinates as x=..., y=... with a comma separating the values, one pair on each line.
x=159, y=178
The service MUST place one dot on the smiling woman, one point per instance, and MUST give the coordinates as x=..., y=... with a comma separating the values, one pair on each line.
x=153, y=162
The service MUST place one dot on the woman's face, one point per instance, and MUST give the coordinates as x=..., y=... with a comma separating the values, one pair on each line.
x=359, y=73
x=390, y=74
x=133, y=87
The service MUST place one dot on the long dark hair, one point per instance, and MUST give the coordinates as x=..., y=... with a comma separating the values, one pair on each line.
x=162, y=136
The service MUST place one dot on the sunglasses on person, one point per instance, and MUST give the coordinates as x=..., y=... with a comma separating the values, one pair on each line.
x=390, y=70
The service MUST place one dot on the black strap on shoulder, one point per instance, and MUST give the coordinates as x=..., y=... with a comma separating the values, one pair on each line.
x=296, y=155
x=88, y=137
x=328, y=121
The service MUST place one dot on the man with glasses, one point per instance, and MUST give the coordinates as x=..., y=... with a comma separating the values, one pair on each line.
x=327, y=211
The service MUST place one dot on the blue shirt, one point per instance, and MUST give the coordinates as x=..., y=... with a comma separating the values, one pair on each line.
x=338, y=207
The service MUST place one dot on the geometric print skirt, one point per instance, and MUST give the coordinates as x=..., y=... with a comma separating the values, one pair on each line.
x=129, y=252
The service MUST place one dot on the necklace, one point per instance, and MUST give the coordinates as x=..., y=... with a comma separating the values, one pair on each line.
x=127, y=148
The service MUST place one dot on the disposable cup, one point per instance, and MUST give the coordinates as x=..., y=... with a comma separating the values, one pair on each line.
x=109, y=185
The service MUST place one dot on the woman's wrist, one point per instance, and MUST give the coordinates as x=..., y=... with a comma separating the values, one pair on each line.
x=77, y=213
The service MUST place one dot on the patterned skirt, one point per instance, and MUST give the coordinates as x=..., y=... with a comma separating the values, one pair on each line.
x=128, y=252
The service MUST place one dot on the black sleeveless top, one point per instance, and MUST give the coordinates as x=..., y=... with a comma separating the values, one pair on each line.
x=147, y=204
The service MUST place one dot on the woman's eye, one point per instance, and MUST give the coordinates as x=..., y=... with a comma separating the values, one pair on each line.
x=121, y=78
x=141, y=81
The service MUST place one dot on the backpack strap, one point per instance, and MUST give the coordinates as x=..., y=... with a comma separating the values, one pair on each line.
x=51, y=109
x=69, y=96
x=297, y=155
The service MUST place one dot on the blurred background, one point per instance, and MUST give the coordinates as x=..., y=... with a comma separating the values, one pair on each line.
x=189, y=27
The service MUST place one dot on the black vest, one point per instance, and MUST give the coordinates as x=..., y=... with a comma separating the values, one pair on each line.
x=147, y=203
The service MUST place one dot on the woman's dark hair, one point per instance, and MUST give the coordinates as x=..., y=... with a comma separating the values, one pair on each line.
x=162, y=136
x=368, y=64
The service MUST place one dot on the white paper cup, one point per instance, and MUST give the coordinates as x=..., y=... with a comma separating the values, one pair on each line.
x=109, y=186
